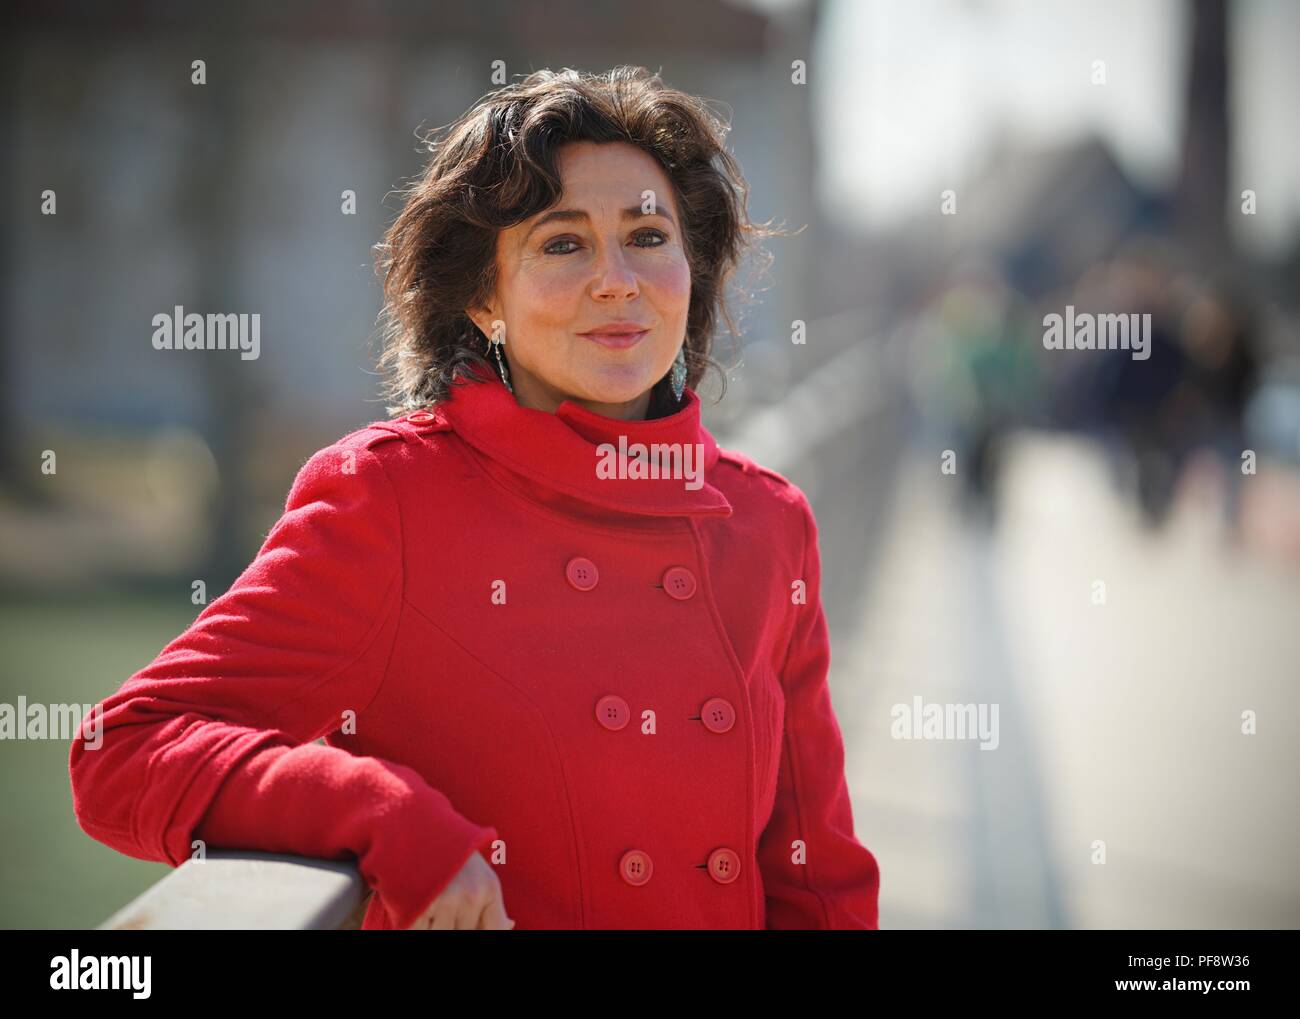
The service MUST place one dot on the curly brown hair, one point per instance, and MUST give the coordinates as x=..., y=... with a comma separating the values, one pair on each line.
x=497, y=166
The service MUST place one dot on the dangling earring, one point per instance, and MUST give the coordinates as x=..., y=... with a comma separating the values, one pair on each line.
x=501, y=365
x=679, y=372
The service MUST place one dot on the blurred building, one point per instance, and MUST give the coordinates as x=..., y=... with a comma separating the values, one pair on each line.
x=226, y=197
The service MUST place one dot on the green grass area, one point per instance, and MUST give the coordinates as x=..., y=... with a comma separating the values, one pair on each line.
x=53, y=875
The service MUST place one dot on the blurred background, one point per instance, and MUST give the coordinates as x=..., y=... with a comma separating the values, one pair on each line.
x=1106, y=548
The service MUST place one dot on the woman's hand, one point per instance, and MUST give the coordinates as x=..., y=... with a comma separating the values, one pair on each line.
x=470, y=902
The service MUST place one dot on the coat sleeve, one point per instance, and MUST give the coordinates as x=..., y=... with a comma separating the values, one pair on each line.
x=214, y=739
x=815, y=872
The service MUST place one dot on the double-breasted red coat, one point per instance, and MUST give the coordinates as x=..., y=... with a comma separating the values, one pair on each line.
x=613, y=687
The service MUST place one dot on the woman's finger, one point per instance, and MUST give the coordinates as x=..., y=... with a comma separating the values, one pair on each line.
x=467, y=916
x=494, y=917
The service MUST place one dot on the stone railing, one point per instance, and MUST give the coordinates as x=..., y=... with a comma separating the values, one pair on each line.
x=242, y=890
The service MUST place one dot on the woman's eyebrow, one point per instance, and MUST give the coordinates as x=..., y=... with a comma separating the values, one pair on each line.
x=570, y=215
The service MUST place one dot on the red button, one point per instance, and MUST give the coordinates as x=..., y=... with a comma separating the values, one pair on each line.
x=420, y=417
x=718, y=715
x=679, y=582
x=612, y=712
x=724, y=866
x=582, y=573
x=635, y=867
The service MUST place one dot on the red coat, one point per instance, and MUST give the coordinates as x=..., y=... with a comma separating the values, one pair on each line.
x=608, y=685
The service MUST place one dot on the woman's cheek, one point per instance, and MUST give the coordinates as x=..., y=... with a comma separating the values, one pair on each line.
x=671, y=280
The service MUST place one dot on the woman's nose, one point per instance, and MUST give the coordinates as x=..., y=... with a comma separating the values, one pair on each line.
x=614, y=277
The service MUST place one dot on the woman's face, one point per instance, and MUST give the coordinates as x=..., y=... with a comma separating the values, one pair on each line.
x=593, y=260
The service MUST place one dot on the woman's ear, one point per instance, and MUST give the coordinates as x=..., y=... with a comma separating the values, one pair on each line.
x=483, y=318
x=476, y=315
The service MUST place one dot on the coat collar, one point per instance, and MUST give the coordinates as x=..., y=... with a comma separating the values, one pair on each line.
x=560, y=450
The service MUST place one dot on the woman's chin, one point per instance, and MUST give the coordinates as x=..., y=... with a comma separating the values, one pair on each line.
x=615, y=385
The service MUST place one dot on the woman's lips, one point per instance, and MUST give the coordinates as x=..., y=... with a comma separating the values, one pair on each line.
x=617, y=341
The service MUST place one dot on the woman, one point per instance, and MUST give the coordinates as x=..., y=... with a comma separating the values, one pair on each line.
x=568, y=656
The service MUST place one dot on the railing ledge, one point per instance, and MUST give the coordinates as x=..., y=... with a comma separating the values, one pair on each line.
x=246, y=890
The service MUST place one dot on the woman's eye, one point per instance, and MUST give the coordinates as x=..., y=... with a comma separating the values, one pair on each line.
x=550, y=248
x=662, y=238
